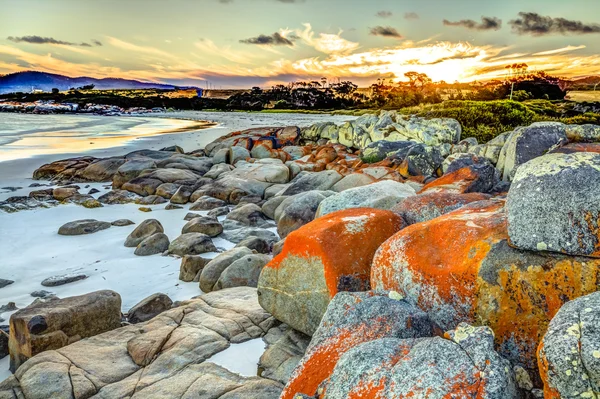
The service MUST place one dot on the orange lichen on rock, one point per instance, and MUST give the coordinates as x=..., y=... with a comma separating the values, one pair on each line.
x=424, y=207
x=460, y=268
x=458, y=181
x=577, y=147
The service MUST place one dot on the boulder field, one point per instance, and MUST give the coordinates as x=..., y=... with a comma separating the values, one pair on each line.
x=381, y=258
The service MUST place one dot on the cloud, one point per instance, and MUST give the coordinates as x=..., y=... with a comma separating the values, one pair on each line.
x=385, y=31
x=561, y=50
x=275, y=39
x=411, y=15
x=530, y=23
x=138, y=49
x=487, y=23
x=326, y=43
x=34, y=39
x=384, y=14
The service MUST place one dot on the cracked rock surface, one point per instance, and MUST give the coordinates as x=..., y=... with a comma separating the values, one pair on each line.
x=161, y=358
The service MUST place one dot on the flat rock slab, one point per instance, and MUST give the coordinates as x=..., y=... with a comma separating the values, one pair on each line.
x=161, y=358
x=84, y=226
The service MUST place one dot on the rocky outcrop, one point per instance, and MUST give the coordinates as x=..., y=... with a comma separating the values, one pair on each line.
x=352, y=319
x=161, y=358
x=477, y=278
x=328, y=255
x=461, y=365
x=47, y=326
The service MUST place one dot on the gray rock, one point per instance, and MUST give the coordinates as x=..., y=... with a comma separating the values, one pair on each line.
x=282, y=356
x=553, y=204
x=41, y=294
x=203, y=224
x=166, y=190
x=151, y=200
x=247, y=215
x=192, y=244
x=190, y=215
x=312, y=181
x=149, y=308
x=256, y=244
x=171, y=207
x=182, y=195
x=527, y=143
x=119, y=197
x=222, y=211
x=297, y=210
x=381, y=195
x=212, y=271
x=55, y=281
x=144, y=230
x=435, y=368
x=122, y=222
x=142, y=185
x=4, y=334
x=351, y=319
x=4, y=282
x=569, y=354
x=583, y=133
x=243, y=272
x=206, y=203
x=155, y=244
x=460, y=160
x=191, y=266
x=238, y=235
x=271, y=205
x=80, y=227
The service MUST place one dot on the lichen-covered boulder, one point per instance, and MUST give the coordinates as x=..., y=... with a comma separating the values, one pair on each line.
x=583, y=133
x=352, y=319
x=470, y=179
x=553, y=204
x=323, y=257
x=51, y=325
x=461, y=160
x=459, y=268
x=381, y=195
x=463, y=365
x=569, y=354
x=424, y=207
x=527, y=143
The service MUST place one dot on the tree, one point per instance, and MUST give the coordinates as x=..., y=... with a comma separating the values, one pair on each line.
x=55, y=90
x=417, y=80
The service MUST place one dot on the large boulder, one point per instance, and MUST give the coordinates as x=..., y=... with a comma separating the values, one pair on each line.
x=249, y=215
x=328, y=255
x=132, y=169
x=424, y=207
x=460, y=268
x=463, y=365
x=569, y=354
x=155, y=244
x=144, y=230
x=352, y=319
x=381, y=195
x=203, y=224
x=102, y=170
x=51, y=325
x=261, y=171
x=553, y=204
x=527, y=143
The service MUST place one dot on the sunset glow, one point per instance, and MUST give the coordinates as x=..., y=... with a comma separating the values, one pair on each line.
x=180, y=50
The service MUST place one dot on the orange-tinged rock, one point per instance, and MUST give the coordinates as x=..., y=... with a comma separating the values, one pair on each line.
x=330, y=254
x=577, y=147
x=424, y=207
x=328, y=154
x=459, y=268
x=474, y=178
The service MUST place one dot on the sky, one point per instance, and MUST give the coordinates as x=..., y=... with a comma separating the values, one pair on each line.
x=244, y=43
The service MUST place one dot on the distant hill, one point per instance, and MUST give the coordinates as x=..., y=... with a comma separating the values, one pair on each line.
x=24, y=81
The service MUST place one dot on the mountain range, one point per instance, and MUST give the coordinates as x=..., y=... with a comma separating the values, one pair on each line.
x=25, y=81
